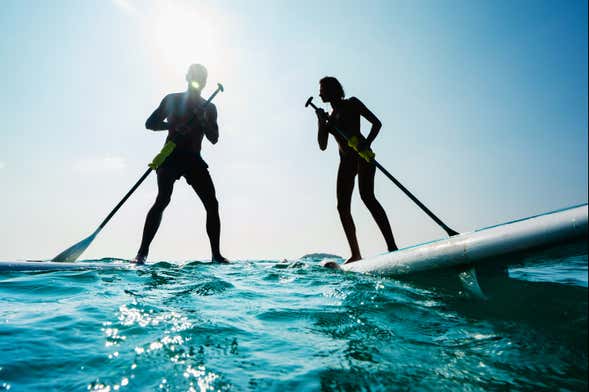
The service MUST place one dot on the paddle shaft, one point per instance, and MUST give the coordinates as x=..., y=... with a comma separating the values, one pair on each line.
x=398, y=184
x=114, y=211
x=415, y=199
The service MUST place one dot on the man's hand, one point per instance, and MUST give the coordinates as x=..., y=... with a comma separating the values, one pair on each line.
x=201, y=114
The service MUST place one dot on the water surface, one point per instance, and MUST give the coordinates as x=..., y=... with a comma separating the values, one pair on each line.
x=266, y=325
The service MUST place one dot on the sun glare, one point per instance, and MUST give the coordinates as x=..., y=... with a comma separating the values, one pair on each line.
x=184, y=34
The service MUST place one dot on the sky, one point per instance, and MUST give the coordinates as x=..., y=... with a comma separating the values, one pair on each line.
x=483, y=105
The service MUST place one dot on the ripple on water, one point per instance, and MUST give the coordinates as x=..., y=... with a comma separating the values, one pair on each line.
x=283, y=326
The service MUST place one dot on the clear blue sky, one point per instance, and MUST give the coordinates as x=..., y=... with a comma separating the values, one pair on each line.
x=484, y=106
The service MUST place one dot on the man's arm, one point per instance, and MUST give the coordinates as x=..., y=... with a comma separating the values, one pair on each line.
x=211, y=128
x=156, y=122
x=368, y=115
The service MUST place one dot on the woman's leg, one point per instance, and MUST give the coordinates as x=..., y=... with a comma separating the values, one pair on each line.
x=346, y=176
x=366, y=172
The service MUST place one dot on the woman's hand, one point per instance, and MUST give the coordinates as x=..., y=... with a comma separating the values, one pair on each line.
x=322, y=115
x=363, y=144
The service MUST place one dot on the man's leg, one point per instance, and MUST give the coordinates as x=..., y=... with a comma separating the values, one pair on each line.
x=202, y=183
x=345, y=186
x=366, y=173
x=165, y=186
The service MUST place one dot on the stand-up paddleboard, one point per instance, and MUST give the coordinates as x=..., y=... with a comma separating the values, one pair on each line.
x=56, y=266
x=119, y=264
x=480, y=246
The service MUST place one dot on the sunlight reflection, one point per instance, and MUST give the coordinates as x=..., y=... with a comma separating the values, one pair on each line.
x=130, y=316
x=204, y=379
x=113, y=337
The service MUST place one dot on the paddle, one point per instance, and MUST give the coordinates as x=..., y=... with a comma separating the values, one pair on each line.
x=72, y=253
x=369, y=156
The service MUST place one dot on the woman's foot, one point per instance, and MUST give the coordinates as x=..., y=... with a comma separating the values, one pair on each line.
x=353, y=258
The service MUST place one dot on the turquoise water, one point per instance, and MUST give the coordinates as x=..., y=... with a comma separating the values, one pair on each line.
x=269, y=325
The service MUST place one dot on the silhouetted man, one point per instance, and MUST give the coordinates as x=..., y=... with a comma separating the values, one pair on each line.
x=345, y=116
x=174, y=115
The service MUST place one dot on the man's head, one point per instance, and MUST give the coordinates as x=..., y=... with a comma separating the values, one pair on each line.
x=330, y=89
x=196, y=77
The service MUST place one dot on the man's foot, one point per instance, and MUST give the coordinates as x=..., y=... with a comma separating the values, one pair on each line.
x=139, y=260
x=353, y=258
x=219, y=259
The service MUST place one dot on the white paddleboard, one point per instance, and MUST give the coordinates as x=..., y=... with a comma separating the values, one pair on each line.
x=481, y=245
x=53, y=266
x=118, y=264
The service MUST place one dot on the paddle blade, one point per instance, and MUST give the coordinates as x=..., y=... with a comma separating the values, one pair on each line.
x=72, y=253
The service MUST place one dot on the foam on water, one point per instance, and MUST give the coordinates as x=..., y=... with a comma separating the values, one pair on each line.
x=266, y=325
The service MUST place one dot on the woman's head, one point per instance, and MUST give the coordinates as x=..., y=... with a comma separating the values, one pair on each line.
x=330, y=89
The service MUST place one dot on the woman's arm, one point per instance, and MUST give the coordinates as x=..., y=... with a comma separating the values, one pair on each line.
x=372, y=119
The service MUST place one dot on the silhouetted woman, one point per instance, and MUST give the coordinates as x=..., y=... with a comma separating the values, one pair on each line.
x=346, y=117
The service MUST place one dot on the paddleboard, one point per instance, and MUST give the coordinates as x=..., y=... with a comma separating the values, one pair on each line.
x=55, y=266
x=119, y=264
x=479, y=246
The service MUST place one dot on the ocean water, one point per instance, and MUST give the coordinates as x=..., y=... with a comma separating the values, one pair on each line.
x=268, y=325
